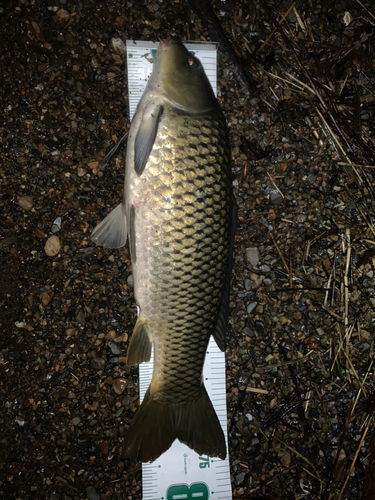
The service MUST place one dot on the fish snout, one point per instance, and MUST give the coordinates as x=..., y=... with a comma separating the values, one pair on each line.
x=168, y=42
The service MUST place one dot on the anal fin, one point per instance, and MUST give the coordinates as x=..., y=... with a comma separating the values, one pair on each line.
x=140, y=345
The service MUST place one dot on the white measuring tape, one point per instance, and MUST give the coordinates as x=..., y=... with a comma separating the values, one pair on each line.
x=180, y=473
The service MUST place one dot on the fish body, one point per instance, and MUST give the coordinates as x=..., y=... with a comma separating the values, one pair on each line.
x=179, y=214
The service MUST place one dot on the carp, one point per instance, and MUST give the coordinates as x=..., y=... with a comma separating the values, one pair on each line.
x=179, y=215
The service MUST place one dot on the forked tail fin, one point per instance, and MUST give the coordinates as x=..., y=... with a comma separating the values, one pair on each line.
x=156, y=426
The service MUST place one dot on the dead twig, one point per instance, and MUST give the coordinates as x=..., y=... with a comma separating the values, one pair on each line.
x=355, y=459
x=209, y=20
x=275, y=186
x=283, y=259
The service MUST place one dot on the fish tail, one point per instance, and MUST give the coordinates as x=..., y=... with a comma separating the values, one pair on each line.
x=156, y=426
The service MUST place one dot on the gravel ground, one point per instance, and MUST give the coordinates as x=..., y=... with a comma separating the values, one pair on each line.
x=301, y=390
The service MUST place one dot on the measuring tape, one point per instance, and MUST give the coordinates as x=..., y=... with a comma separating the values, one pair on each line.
x=180, y=473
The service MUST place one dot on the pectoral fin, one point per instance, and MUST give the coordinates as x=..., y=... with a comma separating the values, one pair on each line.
x=145, y=137
x=112, y=231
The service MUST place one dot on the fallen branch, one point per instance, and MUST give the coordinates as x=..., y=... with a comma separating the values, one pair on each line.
x=212, y=24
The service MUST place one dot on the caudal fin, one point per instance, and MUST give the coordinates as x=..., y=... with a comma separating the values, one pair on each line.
x=156, y=426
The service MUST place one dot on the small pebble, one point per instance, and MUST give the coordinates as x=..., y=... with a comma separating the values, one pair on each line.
x=46, y=299
x=250, y=307
x=253, y=256
x=80, y=317
x=114, y=348
x=52, y=246
x=118, y=46
x=247, y=284
x=26, y=202
x=130, y=281
x=264, y=268
x=240, y=477
x=20, y=421
x=39, y=234
x=276, y=198
x=56, y=225
x=119, y=385
x=54, y=496
x=248, y=331
x=92, y=494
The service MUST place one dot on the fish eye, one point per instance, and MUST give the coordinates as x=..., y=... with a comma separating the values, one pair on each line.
x=194, y=62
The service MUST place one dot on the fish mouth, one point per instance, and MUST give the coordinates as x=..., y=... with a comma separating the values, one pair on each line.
x=168, y=42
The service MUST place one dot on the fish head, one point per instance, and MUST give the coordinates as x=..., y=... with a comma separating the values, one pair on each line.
x=180, y=77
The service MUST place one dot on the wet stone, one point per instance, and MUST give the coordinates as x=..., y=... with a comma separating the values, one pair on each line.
x=80, y=317
x=52, y=246
x=20, y=421
x=247, y=284
x=119, y=385
x=259, y=327
x=59, y=392
x=92, y=493
x=248, y=331
x=250, y=307
x=264, y=268
x=114, y=348
x=26, y=202
x=240, y=477
x=118, y=317
x=253, y=256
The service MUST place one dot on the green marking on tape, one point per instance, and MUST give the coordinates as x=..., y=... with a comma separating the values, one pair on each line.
x=186, y=492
